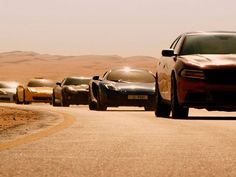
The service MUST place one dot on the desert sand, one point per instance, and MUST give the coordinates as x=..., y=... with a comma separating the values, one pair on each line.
x=11, y=117
x=22, y=66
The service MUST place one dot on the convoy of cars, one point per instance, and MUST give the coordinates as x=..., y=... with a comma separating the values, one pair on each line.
x=198, y=70
x=118, y=87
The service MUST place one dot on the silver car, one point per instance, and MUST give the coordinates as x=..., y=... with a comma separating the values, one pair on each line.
x=8, y=91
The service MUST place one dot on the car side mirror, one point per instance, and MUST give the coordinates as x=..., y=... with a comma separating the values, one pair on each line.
x=58, y=83
x=168, y=53
x=95, y=77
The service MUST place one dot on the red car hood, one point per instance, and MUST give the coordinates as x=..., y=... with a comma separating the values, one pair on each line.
x=210, y=60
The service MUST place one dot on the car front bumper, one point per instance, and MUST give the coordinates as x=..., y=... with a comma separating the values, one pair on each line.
x=201, y=94
x=79, y=97
x=127, y=98
x=7, y=98
x=38, y=97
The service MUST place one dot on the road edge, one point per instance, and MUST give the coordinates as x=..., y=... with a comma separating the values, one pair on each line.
x=68, y=121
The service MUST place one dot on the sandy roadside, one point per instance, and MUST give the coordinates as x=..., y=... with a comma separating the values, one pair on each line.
x=17, y=122
x=12, y=117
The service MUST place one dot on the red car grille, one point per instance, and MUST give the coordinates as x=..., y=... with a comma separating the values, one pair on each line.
x=226, y=76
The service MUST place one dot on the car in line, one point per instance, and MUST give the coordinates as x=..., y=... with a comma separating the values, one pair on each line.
x=123, y=87
x=72, y=90
x=36, y=90
x=199, y=71
x=8, y=91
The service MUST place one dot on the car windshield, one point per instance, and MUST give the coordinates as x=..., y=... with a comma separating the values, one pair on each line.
x=76, y=81
x=41, y=83
x=8, y=85
x=209, y=44
x=141, y=76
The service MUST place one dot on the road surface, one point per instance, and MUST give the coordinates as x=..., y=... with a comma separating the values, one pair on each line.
x=124, y=142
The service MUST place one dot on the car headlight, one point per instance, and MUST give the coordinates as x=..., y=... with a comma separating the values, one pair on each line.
x=71, y=88
x=32, y=90
x=193, y=74
x=110, y=86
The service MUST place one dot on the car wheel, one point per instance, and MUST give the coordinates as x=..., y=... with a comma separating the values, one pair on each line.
x=26, y=102
x=64, y=101
x=178, y=111
x=149, y=107
x=100, y=105
x=92, y=105
x=161, y=109
x=54, y=100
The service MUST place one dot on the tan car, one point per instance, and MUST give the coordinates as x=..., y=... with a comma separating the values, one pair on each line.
x=37, y=90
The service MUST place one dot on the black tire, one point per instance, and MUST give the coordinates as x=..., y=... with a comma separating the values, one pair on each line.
x=64, y=101
x=162, y=109
x=92, y=105
x=178, y=111
x=26, y=102
x=54, y=101
x=149, y=107
x=100, y=106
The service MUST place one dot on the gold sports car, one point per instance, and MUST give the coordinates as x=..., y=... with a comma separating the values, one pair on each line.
x=37, y=90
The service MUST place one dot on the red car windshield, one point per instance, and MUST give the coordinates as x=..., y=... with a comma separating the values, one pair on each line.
x=209, y=44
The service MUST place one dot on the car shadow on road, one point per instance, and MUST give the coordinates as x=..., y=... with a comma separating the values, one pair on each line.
x=123, y=110
x=210, y=118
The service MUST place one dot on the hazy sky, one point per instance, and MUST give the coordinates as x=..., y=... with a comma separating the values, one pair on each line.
x=123, y=27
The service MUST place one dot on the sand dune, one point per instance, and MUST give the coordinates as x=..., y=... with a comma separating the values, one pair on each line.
x=22, y=66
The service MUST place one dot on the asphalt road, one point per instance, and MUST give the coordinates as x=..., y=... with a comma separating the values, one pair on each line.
x=126, y=142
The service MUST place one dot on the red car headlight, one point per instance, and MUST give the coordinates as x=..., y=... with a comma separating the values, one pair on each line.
x=192, y=74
